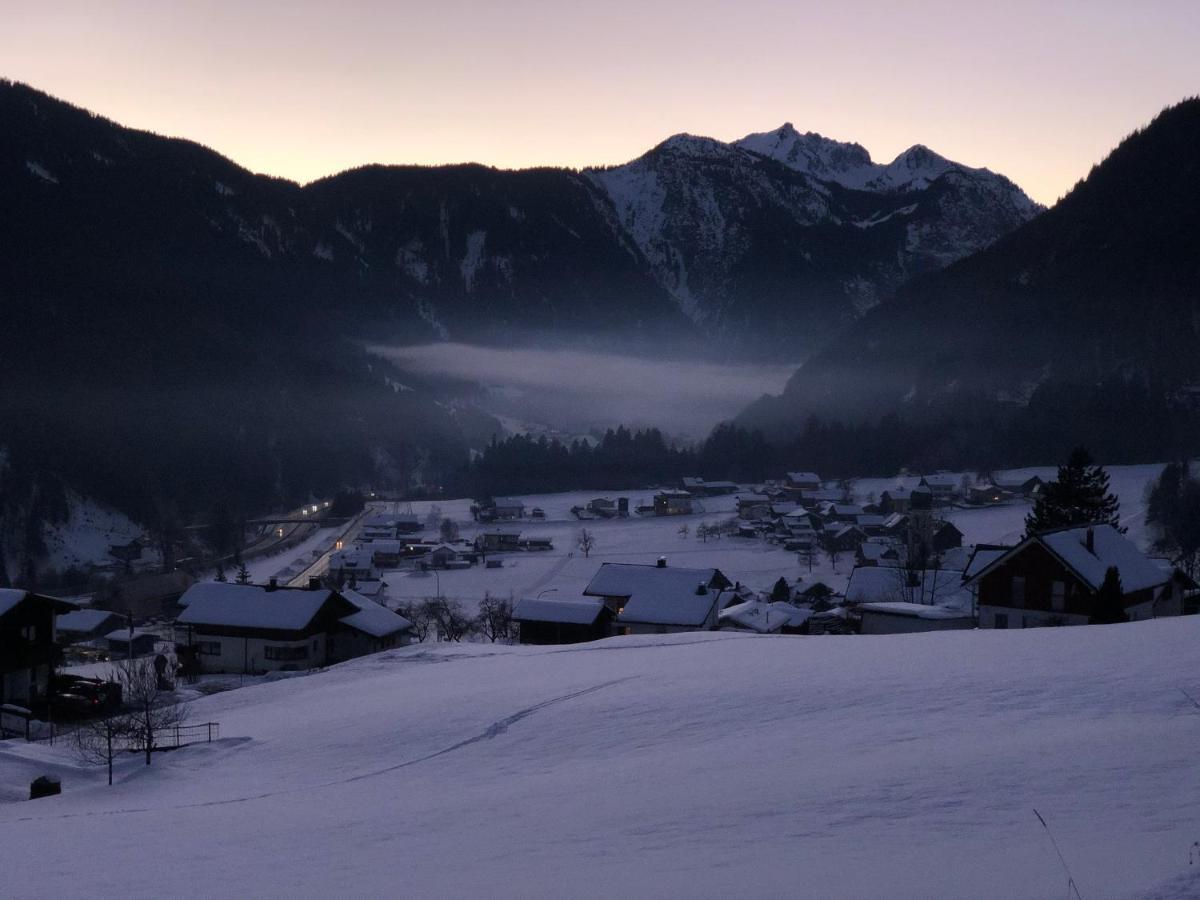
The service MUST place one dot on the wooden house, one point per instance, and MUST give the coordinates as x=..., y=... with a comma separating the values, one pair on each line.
x=28, y=653
x=660, y=599
x=563, y=621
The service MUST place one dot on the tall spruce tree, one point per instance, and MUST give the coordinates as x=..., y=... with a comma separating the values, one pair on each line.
x=1078, y=496
x=1110, y=607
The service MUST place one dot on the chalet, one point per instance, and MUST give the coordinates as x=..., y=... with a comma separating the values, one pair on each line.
x=537, y=544
x=946, y=536
x=895, y=500
x=764, y=617
x=385, y=554
x=987, y=494
x=896, y=525
x=877, y=553
x=1053, y=578
x=563, y=621
x=803, y=481
x=943, y=486
x=844, y=539
x=148, y=596
x=372, y=629
x=122, y=644
x=353, y=562
x=1023, y=487
x=507, y=508
x=27, y=650
x=871, y=523
x=389, y=526
x=753, y=506
x=673, y=503
x=254, y=628
x=660, y=599
x=841, y=512
x=442, y=556
x=81, y=625
x=811, y=499
x=908, y=618
x=498, y=541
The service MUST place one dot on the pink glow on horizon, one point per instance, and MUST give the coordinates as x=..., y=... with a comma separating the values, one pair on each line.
x=1037, y=91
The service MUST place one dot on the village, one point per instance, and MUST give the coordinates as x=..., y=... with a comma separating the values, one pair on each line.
x=797, y=556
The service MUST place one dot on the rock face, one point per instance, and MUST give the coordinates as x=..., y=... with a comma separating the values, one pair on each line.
x=782, y=237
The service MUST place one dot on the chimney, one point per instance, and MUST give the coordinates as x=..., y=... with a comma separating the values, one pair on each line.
x=1091, y=540
x=314, y=583
x=662, y=562
x=273, y=583
x=701, y=589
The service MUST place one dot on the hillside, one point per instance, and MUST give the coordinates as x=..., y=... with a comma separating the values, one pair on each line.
x=1104, y=285
x=699, y=765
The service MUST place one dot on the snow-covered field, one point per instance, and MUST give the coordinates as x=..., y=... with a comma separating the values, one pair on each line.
x=692, y=765
x=565, y=571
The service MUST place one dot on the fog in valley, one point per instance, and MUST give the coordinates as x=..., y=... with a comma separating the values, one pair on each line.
x=573, y=391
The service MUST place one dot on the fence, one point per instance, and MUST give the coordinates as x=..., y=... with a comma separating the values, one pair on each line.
x=168, y=739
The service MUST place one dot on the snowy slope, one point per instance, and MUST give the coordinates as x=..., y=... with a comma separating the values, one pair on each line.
x=712, y=766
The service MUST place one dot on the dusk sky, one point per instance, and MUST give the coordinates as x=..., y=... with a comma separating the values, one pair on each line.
x=1037, y=90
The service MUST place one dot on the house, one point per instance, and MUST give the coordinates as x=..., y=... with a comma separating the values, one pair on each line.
x=261, y=628
x=673, y=503
x=908, y=618
x=660, y=599
x=698, y=487
x=537, y=544
x=1024, y=487
x=943, y=486
x=122, y=644
x=871, y=523
x=507, y=508
x=80, y=625
x=148, y=596
x=895, y=500
x=987, y=494
x=1053, y=578
x=946, y=536
x=442, y=556
x=844, y=539
x=498, y=541
x=563, y=621
x=811, y=499
x=372, y=629
x=764, y=617
x=841, y=512
x=803, y=481
x=603, y=507
x=353, y=562
x=385, y=554
x=753, y=506
x=877, y=553
x=28, y=653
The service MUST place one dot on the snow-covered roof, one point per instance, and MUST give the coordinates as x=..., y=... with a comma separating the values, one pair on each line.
x=1109, y=548
x=803, y=477
x=869, y=520
x=981, y=558
x=887, y=584
x=122, y=634
x=942, y=480
x=753, y=498
x=877, y=551
x=764, y=617
x=898, y=493
x=658, y=595
x=83, y=620
x=846, y=509
x=251, y=606
x=508, y=503
x=566, y=612
x=10, y=597
x=915, y=610
x=372, y=618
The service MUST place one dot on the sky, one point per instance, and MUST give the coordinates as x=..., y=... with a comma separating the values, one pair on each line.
x=1039, y=91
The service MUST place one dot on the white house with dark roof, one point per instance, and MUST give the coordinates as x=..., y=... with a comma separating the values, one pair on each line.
x=660, y=599
x=1053, y=578
x=256, y=628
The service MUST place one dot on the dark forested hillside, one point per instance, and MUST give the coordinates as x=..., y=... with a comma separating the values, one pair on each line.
x=1101, y=290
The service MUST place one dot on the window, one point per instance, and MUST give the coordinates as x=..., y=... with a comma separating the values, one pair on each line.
x=1018, y=591
x=1058, y=596
x=208, y=648
x=1001, y=620
x=29, y=632
x=285, y=654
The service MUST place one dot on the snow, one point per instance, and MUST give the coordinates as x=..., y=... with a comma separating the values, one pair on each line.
x=473, y=258
x=371, y=618
x=884, y=584
x=1109, y=548
x=40, y=171
x=249, y=606
x=81, y=620
x=9, y=598
x=764, y=617
x=660, y=595
x=569, y=612
x=692, y=765
x=86, y=536
x=916, y=610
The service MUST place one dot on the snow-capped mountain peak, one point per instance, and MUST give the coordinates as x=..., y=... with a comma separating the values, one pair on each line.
x=813, y=154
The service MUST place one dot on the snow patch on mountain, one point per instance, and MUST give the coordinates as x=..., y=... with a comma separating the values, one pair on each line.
x=40, y=171
x=473, y=258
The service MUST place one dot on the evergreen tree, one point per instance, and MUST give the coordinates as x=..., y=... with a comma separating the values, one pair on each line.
x=1173, y=507
x=1078, y=496
x=781, y=591
x=1110, y=607
x=221, y=573
x=243, y=575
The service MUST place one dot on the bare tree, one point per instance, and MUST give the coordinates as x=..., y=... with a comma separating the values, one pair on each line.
x=98, y=741
x=420, y=616
x=808, y=556
x=702, y=532
x=586, y=542
x=450, y=617
x=448, y=530
x=152, y=709
x=495, y=620
x=833, y=552
x=684, y=530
